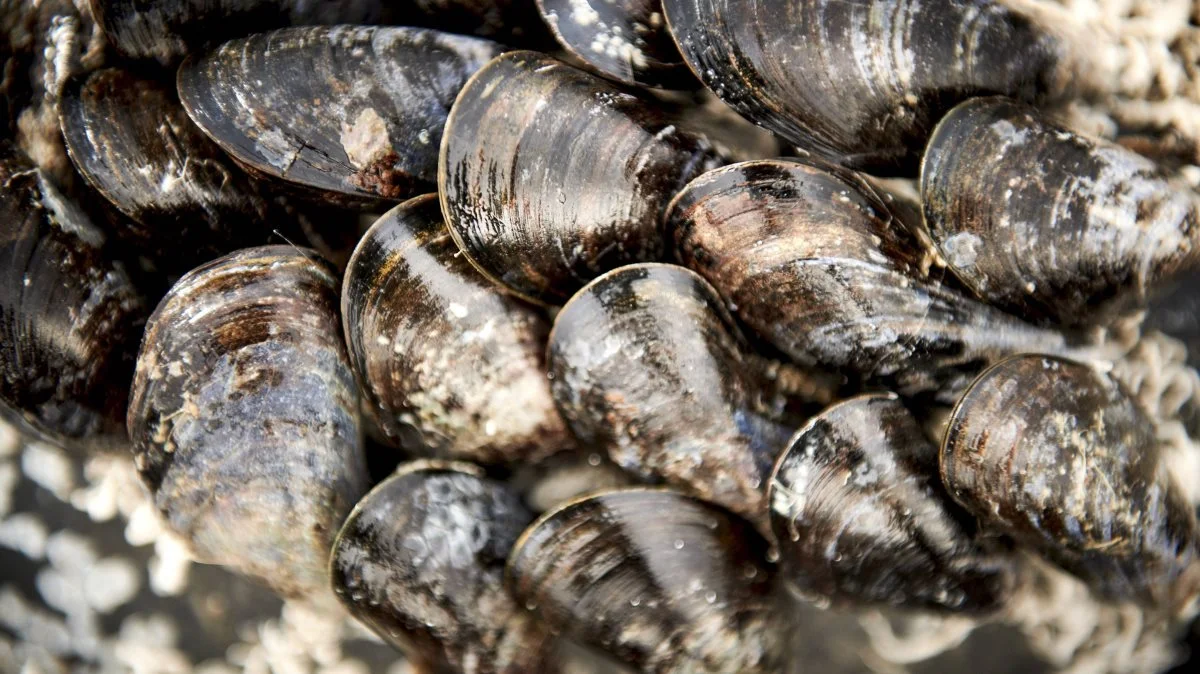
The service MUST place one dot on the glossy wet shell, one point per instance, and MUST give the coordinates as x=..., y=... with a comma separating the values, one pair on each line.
x=861, y=517
x=1049, y=223
x=421, y=561
x=343, y=110
x=244, y=415
x=550, y=176
x=131, y=139
x=861, y=82
x=70, y=317
x=168, y=30
x=648, y=366
x=624, y=40
x=664, y=582
x=824, y=267
x=453, y=366
x=1059, y=457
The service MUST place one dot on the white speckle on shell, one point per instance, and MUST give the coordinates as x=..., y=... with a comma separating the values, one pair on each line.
x=962, y=249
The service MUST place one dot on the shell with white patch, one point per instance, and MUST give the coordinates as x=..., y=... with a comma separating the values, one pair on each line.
x=623, y=40
x=353, y=113
x=454, y=367
x=837, y=273
x=420, y=561
x=862, y=82
x=244, y=416
x=1062, y=227
x=861, y=518
x=1058, y=456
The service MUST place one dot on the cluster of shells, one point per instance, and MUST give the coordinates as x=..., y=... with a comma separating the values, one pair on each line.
x=772, y=382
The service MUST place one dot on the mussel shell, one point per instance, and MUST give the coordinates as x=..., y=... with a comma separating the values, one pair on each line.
x=663, y=581
x=1058, y=456
x=453, y=366
x=131, y=139
x=167, y=30
x=550, y=176
x=861, y=517
x=244, y=415
x=834, y=273
x=420, y=561
x=648, y=366
x=1051, y=224
x=342, y=110
x=624, y=40
x=861, y=82
x=70, y=317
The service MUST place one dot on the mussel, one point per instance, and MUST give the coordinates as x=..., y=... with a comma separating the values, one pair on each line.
x=343, y=110
x=420, y=561
x=244, y=415
x=663, y=581
x=624, y=40
x=70, y=317
x=453, y=366
x=550, y=176
x=862, y=82
x=1057, y=455
x=648, y=366
x=168, y=30
x=861, y=517
x=1054, y=225
x=837, y=273
x=129, y=136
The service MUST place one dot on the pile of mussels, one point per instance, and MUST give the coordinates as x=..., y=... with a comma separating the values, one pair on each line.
x=828, y=391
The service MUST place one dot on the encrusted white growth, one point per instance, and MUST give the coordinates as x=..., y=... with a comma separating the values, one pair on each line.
x=1156, y=372
x=920, y=636
x=1077, y=633
x=366, y=140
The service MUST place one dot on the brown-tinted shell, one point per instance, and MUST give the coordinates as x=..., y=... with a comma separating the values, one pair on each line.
x=648, y=366
x=343, y=110
x=550, y=176
x=420, y=561
x=662, y=581
x=189, y=202
x=861, y=82
x=833, y=272
x=1058, y=456
x=624, y=40
x=244, y=415
x=1051, y=224
x=70, y=317
x=453, y=365
x=861, y=517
